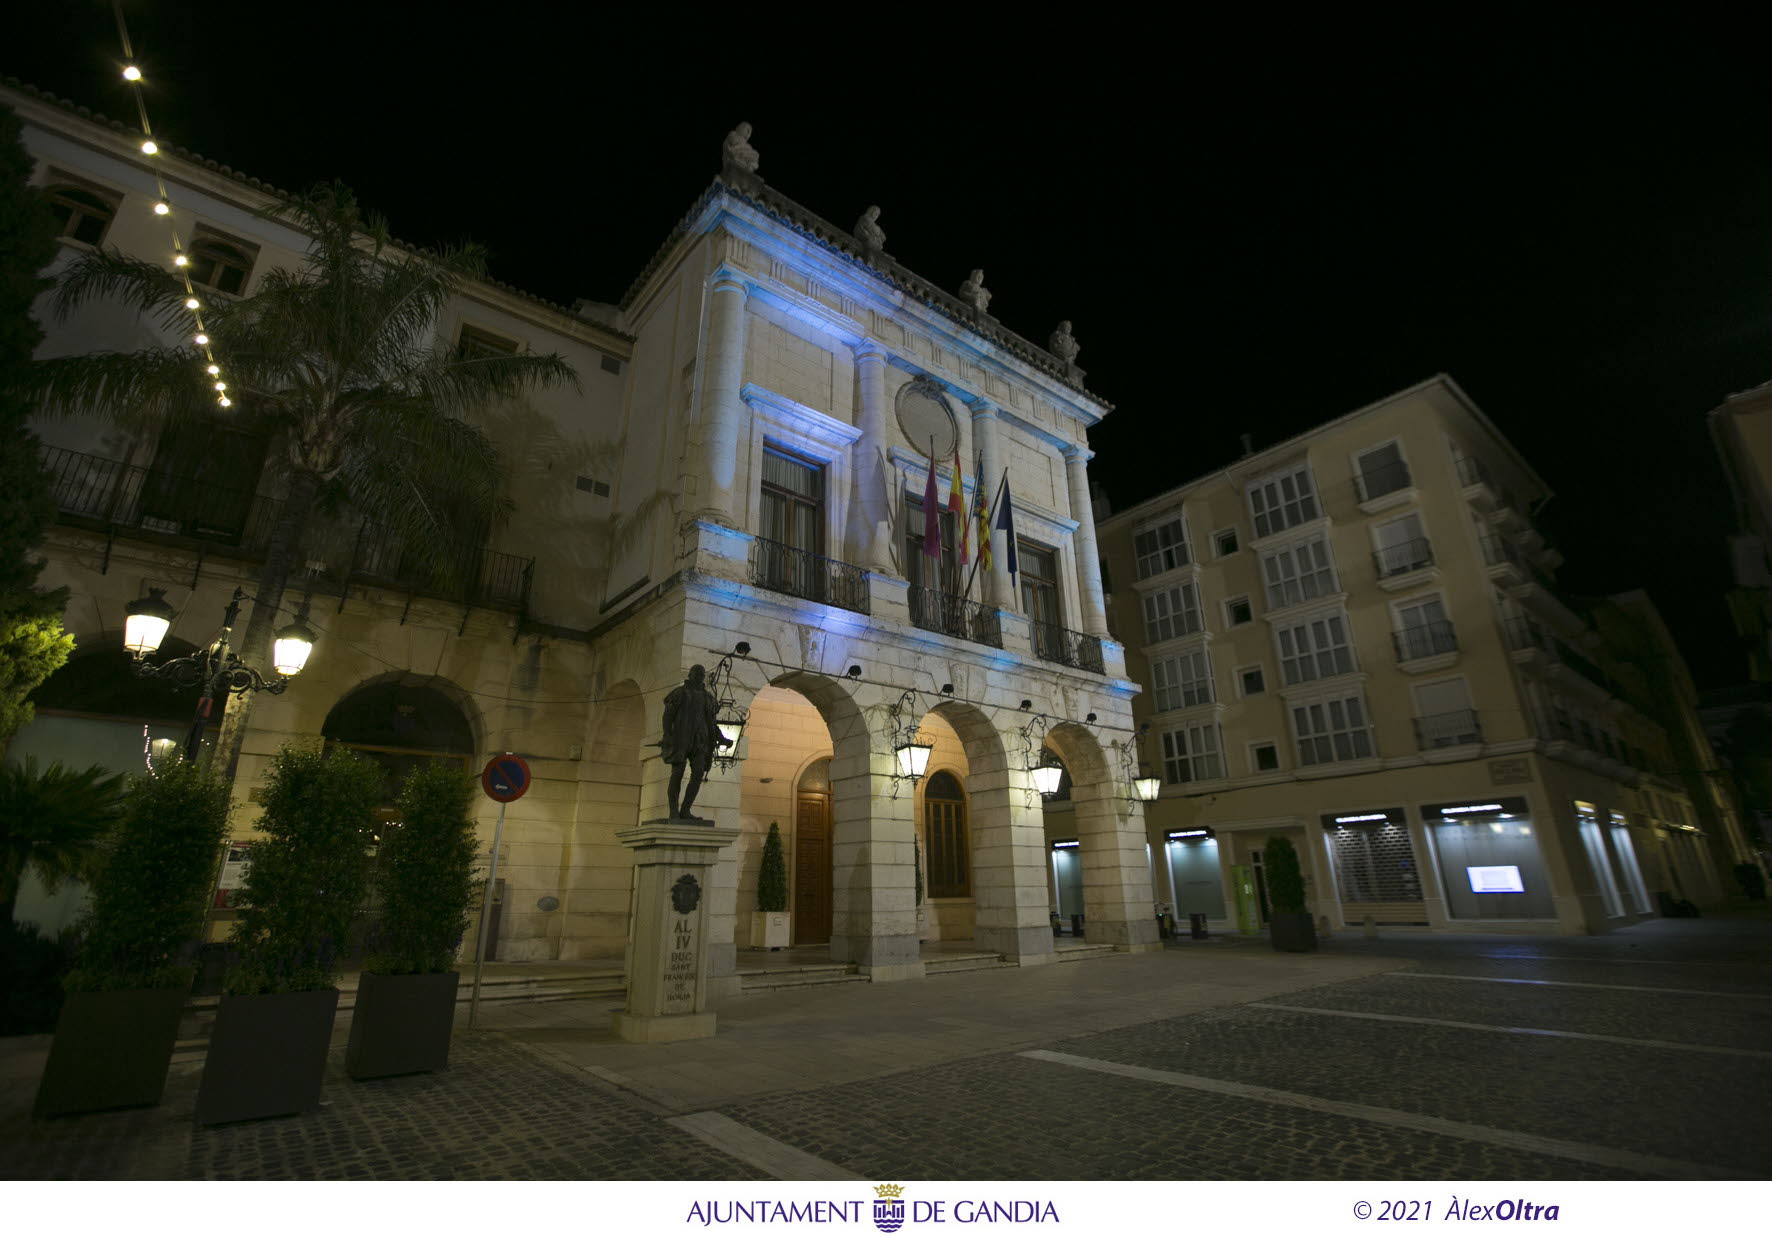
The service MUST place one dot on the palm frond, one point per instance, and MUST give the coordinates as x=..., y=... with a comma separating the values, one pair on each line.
x=106, y=274
x=138, y=390
x=459, y=384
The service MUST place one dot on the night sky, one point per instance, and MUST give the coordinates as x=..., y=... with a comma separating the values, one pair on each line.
x=1254, y=228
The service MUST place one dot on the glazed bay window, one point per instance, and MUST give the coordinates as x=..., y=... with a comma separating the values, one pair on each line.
x=1161, y=548
x=1332, y=730
x=1192, y=753
x=1298, y=573
x=1283, y=500
x=1182, y=681
x=1172, y=613
x=1314, y=648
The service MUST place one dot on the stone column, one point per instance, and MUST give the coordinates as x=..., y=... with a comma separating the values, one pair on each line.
x=984, y=436
x=870, y=509
x=668, y=955
x=1076, y=471
x=1011, y=868
x=722, y=409
x=874, y=910
x=1116, y=871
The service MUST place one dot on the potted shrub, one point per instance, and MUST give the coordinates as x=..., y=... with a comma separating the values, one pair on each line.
x=772, y=925
x=127, y=989
x=1290, y=925
x=405, y=1010
x=267, y=1053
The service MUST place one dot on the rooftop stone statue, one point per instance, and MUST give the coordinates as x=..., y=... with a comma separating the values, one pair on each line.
x=869, y=232
x=973, y=293
x=738, y=155
x=1063, y=344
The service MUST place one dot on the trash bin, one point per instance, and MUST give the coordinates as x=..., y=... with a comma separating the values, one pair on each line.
x=1196, y=923
x=1077, y=925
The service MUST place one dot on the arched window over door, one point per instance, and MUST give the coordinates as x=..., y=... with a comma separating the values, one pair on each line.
x=950, y=855
x=400, y=727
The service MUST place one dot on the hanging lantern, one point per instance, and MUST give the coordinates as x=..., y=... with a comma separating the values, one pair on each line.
x=913, y=759
x=1047, y=774
x=146, y=622
x=290, y=647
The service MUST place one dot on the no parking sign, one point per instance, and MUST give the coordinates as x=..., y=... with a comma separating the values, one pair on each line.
x=506, y=778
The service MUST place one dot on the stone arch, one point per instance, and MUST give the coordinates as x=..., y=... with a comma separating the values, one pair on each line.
x=1008, y=840
x=399, y=721
x=405, y=680
x=100, y=680
x=1117, y=904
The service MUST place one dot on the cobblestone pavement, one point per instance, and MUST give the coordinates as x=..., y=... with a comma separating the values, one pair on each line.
x=1257, y=1071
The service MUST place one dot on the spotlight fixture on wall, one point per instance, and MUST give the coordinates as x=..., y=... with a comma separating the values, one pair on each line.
x=911, y=757
x=855, y=671
x=1026, y=704
x=1089, y=719
x=947, y=688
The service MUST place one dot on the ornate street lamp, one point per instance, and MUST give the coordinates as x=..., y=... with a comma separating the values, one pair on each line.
x=910, y=757
x=216, y=668
x=1146, y=788
x=1047, y=773
x=729, y=717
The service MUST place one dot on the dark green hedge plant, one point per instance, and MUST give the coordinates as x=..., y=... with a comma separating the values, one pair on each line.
x=772, y=875
x=427, y=873
x=1285, y=881
x=308, y=874
x=148, y=899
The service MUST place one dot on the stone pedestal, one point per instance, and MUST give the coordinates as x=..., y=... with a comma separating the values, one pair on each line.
x=668, y=959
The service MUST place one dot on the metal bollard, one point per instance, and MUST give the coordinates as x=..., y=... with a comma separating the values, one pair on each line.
x=1196, y=923
x=1077, y=925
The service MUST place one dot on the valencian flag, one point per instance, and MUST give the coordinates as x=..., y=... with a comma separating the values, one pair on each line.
x=1006, y=524
x=982, y=514
x=931, y=513
x=957, y=503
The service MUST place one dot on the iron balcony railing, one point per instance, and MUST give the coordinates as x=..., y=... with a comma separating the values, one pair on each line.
x=1444, y=729
x=1375, y=482
x=1429, y=639
x=947, y=614
x=334, y=553
x=1401, y=559
x=800, y=572
x=1523, y=634
x=1060, y=646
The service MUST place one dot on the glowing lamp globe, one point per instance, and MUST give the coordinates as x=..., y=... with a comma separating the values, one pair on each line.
x=1046, y=777
x=913, y=758
x=730, y=731
x=146, y=621
x=290, y=647
x=1146, y=787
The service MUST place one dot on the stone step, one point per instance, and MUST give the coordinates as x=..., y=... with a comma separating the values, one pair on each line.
x=966, y=964
x=1087, y=952
x=799, y=975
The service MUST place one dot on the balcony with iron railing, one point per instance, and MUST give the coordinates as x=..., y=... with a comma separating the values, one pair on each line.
x=1445, y=729
x=947, y=614
x=1401, y=559
x=1059, y=646
x=115, y=497
x=798, y=572
x=1421, y=642
x=1373, y=483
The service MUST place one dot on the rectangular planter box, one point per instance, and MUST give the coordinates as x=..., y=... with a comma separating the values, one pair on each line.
x=111, y=1049
x=267, y=1056
x=1293, y=932
x=771, y=930
x=402, y=1024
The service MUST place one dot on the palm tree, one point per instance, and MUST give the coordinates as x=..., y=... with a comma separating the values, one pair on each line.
x=53, y=821
x=340, y=362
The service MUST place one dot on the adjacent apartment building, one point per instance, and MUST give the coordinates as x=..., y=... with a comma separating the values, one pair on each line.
x=737, y=484
x=1354, y=638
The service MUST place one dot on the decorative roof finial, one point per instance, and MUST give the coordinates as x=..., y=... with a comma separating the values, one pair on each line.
x=869, y=232
x=738, y=158
x=973, y=293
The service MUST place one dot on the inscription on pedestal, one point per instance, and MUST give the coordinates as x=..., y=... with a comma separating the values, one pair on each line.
x=680, y=970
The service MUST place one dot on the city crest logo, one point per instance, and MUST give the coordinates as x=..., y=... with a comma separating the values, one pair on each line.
x=888, y=1207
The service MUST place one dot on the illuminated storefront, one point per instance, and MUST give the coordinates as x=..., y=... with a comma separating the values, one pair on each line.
x=1194, y=882
x=1376, y=871
x=1490, y=864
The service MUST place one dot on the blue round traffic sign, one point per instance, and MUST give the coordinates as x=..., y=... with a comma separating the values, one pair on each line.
x=506, y=778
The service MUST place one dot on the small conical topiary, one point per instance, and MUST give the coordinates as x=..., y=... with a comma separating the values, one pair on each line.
x=772, y=876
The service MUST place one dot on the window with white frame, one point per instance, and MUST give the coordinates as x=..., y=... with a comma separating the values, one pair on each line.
x=1298, y=573
x=1314, y=648
x=1332, y=730
x=1283, y=500
x=1224, y=543
x=1161, y=548
x=1192, y=753
x=1172, y=613
x=1181, y=681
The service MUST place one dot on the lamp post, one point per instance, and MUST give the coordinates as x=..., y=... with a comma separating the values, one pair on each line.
x=217, y=669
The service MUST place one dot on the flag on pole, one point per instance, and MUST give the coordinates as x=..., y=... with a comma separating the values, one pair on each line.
x=981, y=513
x=957, y=503
x=1006, y=524
x=931, y=513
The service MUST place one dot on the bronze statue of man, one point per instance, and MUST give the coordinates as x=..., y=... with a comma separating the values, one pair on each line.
x=689, y=736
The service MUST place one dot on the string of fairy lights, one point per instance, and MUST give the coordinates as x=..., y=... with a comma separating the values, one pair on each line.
x=181, y=260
